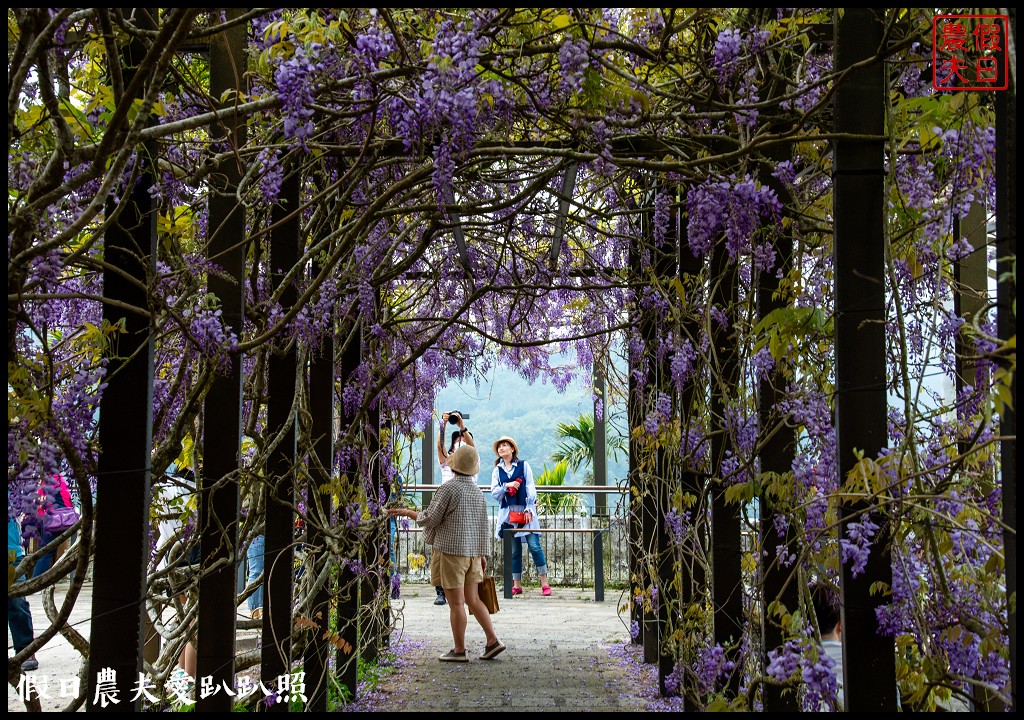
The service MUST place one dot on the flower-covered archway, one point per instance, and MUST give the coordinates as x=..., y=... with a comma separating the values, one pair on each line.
x=254, y=243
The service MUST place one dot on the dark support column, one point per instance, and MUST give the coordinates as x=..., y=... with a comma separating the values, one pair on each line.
x=375, y=585
x=971, y=277
x=649, y=480
x=279, y=537
x=777, y=455
x=666, y=484
x=125, y=436
x=860, y=406
x=346, y=661
x=693, y=580
x=507, y=538
x=429, y=459
x=1006, y=324
x=375, y=549
x=222, y=407
x=347, y=619
x=634, y=416
x=669, y=615
x=726, y=550
x=650, y=485
x=321, y=409
x=600, y=436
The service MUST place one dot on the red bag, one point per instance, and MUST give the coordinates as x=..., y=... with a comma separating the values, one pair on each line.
x=517, y=517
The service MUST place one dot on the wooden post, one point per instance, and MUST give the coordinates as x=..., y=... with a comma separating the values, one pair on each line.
x=321, y=408
x=429, y=455
x=777, y=454
x=222, y=407
x=726, y=551
x=347, y=617
x=860, y=408
x=693, y=580
x=280, y=531
x=600, y=435
x=634, y=405
x=666, y=481
x=125, y=432
x=1006, y=328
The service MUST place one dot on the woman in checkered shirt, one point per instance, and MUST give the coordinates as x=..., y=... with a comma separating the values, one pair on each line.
x=455, y=525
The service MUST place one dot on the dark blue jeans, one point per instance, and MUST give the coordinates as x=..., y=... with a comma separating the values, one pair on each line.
x=46, y=561
x=536, y=552
x=254, y=556
x=19, y=620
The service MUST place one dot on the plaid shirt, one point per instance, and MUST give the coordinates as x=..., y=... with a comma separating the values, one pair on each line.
x=456, y=520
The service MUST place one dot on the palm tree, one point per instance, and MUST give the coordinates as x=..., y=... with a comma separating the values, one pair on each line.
x=577, y=446
x=555, y=503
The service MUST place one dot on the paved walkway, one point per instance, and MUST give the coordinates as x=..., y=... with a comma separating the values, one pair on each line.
x=565, y=652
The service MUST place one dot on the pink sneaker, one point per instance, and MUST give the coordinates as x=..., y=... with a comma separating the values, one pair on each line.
x=517, y=591
x=546, y=590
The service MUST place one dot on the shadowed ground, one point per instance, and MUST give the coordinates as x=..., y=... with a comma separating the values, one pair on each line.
x=565, y=652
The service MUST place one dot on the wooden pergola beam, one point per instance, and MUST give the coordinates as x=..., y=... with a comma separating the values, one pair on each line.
x=456, y=221
x=564, y=197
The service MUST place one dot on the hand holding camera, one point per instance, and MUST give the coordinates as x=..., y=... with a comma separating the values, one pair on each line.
x=454, y=416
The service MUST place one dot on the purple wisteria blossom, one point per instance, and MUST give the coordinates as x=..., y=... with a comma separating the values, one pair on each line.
x=856, y=546
x=295, y=78
x=735, y=210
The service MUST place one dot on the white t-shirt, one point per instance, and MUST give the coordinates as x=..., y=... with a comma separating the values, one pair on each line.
x=168, y=501
x=446, y=472
x=834, y=649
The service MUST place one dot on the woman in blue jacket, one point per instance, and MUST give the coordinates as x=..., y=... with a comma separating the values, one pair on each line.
x=513, y=486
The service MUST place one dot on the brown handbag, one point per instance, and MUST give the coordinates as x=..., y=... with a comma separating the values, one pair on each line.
x=489, y=594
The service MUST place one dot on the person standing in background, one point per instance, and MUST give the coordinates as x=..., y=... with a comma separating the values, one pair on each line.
x=254, y=572
x=171, y=496
x=54, y=493
x=456, y=526
x=830, y=625
x=513, y=486
x=19, y=614
x=460, y=437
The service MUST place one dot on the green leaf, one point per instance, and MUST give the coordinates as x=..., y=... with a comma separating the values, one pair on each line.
x=879, y=588
x=561, y=21
x=994, y=564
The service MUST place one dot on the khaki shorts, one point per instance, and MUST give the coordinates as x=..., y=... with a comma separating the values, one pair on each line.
x=454, y=571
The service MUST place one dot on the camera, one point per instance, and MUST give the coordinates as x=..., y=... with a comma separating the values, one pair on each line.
x=454, y=415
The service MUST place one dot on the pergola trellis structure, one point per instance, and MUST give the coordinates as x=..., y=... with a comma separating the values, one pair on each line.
x=346, y=606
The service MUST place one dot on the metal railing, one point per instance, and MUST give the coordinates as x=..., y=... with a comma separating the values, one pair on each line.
x=508, y=536
x=567, y=539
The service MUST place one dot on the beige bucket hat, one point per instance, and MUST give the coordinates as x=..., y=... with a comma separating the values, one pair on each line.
x=465, y=461
x=510, y=441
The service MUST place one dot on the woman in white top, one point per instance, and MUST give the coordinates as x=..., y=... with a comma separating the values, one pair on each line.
x=513, y=486
x=460, y=437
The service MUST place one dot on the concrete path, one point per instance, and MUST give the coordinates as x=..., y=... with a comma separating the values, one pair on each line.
x=565, y=652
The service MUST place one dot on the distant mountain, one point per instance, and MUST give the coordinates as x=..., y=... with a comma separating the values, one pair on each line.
x=507, y=404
